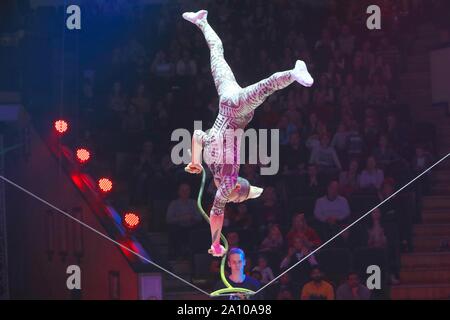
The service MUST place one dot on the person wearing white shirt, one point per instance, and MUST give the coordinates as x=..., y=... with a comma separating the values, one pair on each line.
x=331, y=211
x=332, y=207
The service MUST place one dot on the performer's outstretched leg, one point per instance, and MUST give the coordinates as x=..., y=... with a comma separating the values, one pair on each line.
x=254, y=95
x=221, y=71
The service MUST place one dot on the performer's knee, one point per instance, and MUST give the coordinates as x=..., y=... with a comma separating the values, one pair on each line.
x=227, y=187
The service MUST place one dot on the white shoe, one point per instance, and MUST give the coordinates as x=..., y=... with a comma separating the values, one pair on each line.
x=301, y=74
x=254, y=192
x=195, y=17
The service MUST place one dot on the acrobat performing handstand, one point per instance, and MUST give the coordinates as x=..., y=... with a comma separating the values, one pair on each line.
x=236, y=109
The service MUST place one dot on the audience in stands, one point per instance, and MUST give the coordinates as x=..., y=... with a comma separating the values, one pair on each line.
x=325, y=157
x=269, y=211
x=421, y=161
x=310, y=184
x=392, y=214
x=371, y=177
x=283, y=288
x=182, y=216
x=317, y=288
x=300, y=229
x=264, y=269
x=339, y=141
x=117, y=98
x=376, y=235
x=384, y=154
x=352, y=289
x=233, y=239
x=349, y=179
x=273, y=242
x=293, y=156
x=299, y=251
x=355, y=141
x=331, y=211
x=143, y=171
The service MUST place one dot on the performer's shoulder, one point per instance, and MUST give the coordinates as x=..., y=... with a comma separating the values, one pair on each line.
x=253, y=283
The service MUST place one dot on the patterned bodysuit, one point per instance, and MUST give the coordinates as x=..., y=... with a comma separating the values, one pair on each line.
x=236, y=109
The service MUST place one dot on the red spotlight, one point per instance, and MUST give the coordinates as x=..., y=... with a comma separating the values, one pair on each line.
x=131, y=220
x=61, y=126
x=83, y=155
x=105, y=184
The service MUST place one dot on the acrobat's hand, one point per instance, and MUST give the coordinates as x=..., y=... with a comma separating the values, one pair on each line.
x=194, y=168
x=217, y=250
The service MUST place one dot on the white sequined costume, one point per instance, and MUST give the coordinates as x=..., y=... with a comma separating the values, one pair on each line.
x=236, y=109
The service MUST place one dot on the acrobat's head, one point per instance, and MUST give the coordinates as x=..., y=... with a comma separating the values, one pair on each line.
x=244, y=191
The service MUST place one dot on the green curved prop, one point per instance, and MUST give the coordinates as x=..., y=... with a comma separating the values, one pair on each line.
x=229, y=288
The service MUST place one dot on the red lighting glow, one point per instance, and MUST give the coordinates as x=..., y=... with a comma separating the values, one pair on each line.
x=61, y=126
x=131, y=220
x=83, y=155
x=105, y=184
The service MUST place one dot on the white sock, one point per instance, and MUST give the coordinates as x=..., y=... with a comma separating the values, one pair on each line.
x=195, y=17
x=301, y=74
